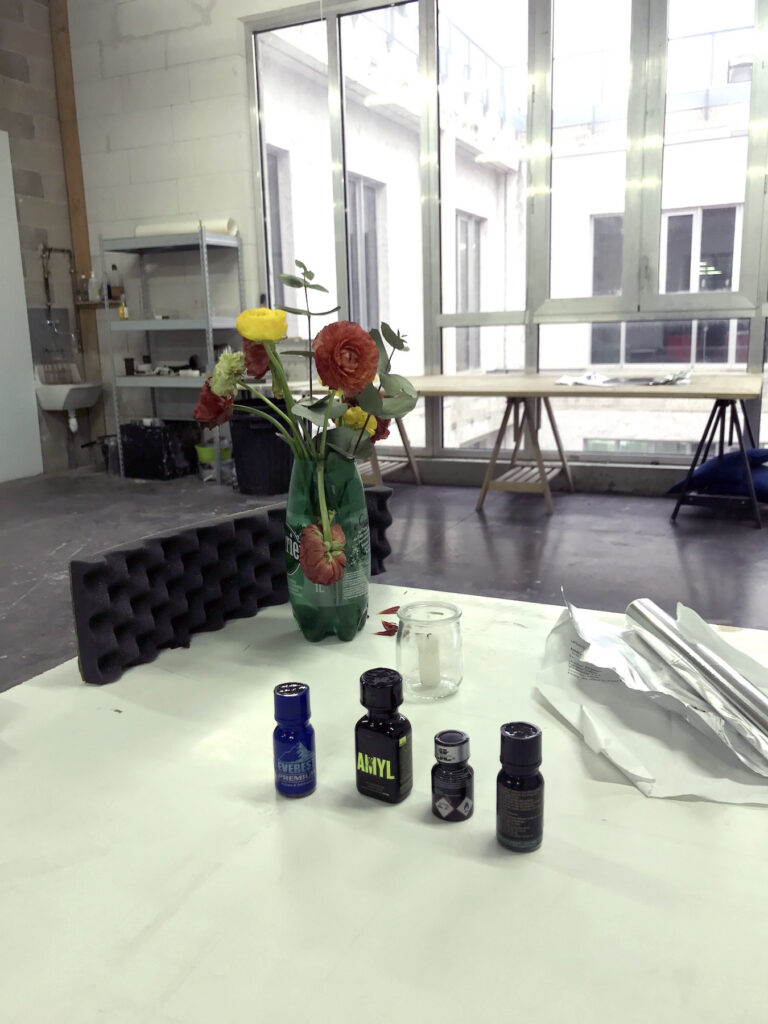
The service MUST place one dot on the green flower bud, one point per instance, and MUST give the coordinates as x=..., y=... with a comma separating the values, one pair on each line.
x=227, y=374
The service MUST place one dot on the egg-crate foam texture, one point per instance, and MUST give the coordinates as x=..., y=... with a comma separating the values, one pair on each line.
x=131, y=603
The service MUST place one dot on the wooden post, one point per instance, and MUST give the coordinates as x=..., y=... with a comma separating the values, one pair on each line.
x=78, y=218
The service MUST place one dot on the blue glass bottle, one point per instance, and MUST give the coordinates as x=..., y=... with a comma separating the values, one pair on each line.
x=293, y=741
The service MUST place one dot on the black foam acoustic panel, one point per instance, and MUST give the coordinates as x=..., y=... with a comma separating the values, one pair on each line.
x=130, y=603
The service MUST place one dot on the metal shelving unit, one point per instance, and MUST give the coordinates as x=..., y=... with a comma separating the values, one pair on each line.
x=154, y=245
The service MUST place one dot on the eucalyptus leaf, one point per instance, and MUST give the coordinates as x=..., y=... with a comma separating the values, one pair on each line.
x=304, y=412
x=393, y=338
x=370, y=400
x=398, y=406
x=337, y=409
x=383, y=355
x=339, y=451
x=291, y=280
x=316, y=287
x=345, y=440
x=292, y=309
x=309, y=274
x=394, y=385
x=326, y=312
x=301, y=266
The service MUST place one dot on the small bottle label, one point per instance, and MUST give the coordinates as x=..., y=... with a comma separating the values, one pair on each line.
x=294, y=769
x=452, y=795
x=384, y=765
x=520, y=817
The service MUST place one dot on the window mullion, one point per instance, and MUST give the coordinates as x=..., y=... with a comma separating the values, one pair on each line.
x=338, y=169
x=430, y=215
x=651, y=143
x=696, y=250
x=539, y=200
x=633, y=181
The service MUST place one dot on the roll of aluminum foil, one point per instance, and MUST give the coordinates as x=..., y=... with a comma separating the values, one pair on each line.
x=722, y=686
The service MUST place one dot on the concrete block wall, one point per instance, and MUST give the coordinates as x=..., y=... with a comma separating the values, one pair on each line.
x=164, y=119
x=163, y=112
x=28, y=112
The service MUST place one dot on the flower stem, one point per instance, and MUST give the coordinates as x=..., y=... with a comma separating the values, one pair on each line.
x=324, y=518
x=293, y=445
x=309, y=337
x=291, y=422
x=278, y=375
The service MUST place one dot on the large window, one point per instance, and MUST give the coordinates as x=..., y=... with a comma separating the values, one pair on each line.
x=528, y=186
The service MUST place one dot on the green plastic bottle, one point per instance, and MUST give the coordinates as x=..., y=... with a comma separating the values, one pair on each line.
x=340, y=609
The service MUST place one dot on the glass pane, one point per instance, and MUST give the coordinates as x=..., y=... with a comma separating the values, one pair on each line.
x=473, y=422
x=660, y=342
x=636, y=351
x=590, y=87
x=709, y=71
x=382, y=110
x=483, y=98
x=717, y=235
x=618, y=347
x=607, y=235
x=606, y=343
x=292, y=68
x=679, y=242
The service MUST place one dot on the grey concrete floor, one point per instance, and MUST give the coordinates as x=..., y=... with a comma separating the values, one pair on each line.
x=603, y=550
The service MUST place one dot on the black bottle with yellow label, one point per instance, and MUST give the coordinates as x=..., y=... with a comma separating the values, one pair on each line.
x=383, y=749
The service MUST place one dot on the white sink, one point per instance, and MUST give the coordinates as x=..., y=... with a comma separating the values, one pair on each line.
x=67, y=397
x=59, y=388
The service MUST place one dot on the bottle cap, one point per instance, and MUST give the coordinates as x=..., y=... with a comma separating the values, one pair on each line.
x=451, y=746
x=292, y=702
x=381, y=689
x=521, y=745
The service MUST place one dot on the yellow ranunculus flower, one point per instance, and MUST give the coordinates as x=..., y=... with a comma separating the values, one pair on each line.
x=357, y=418
x=262, y=324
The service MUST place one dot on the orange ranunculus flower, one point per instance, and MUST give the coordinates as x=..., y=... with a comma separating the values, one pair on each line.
x=321, y=566
x=256, y=359
x=346, y=357
x=212, y=410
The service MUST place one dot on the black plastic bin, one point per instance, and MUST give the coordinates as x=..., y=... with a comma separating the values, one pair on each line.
x=262, y=460
x=159, y=451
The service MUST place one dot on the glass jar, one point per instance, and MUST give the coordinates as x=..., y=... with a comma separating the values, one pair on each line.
x=429, y=655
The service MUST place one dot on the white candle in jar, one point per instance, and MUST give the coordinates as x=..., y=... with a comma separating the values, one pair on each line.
x=428, y=647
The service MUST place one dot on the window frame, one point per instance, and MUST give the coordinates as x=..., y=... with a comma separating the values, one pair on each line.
x=641, y=297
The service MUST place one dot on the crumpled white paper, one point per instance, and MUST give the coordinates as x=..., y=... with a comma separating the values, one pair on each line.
x=660, y=752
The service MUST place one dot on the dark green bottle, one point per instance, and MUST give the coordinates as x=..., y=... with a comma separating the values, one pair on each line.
x=340, y=609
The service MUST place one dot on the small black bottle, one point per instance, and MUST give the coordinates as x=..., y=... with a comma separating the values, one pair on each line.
x=453, y=782
x=520, y=788
x=383, y=738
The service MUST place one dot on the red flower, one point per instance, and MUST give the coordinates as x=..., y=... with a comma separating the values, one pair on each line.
x=212, y=410
x=321, y=565
x=346, y=357
x=382, y=430
x=256, y=359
